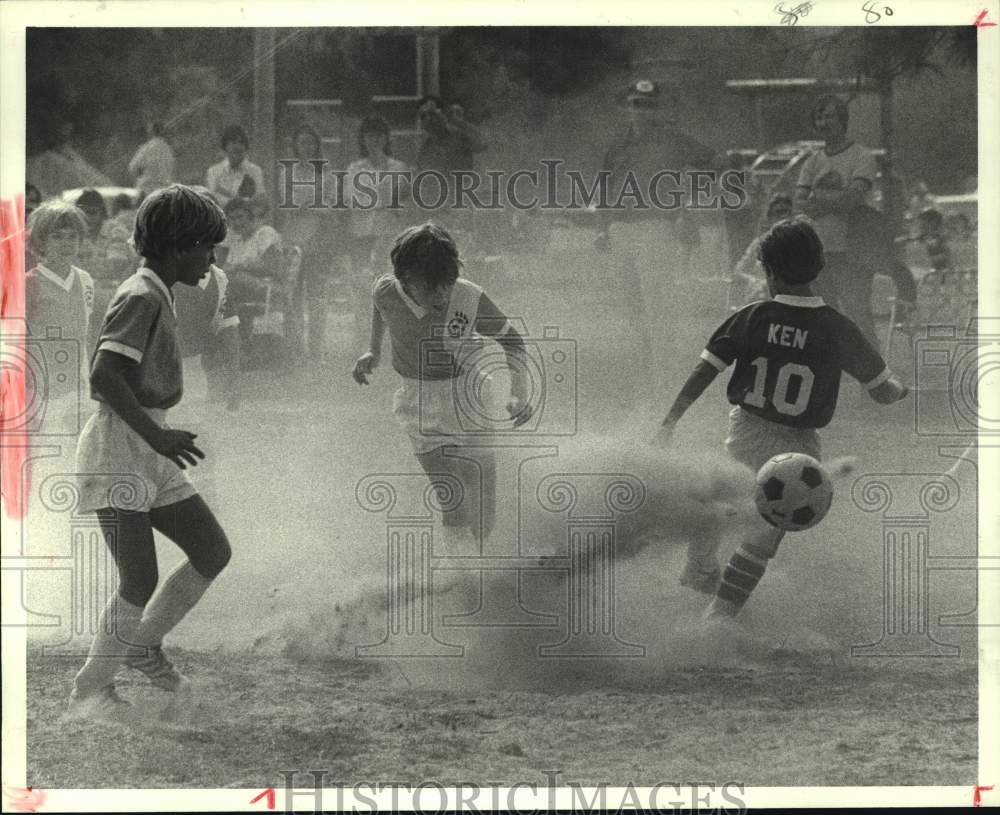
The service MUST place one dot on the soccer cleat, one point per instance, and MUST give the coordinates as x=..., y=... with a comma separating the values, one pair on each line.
x=101, y=703
x=701, y=579
x=159, y=670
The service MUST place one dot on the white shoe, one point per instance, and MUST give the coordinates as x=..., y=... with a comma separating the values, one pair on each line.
x=704, y=579
x=159, y=670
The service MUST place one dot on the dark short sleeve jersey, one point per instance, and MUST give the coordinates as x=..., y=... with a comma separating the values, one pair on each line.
x=789, y=354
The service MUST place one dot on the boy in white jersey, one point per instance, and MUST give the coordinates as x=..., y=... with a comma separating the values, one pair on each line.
x=428, y=310
x=59, y=296
x=789, y=353
x=131, y=464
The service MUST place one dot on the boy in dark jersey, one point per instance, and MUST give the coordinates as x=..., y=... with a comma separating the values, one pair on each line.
x=789, y=353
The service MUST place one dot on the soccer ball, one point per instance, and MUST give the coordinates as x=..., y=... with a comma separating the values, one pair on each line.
x=794, y=492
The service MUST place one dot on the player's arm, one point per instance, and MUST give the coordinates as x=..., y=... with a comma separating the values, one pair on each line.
x=368, y=361
x=108, y=378
x=124, y=337
x=862, y=361
x=701, y=377
x=493, y=323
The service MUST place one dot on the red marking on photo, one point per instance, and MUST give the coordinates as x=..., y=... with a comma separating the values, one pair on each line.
x=979, y=20
x=23, y=799
x=14, y=476
x=269, y=794
x=976, y=797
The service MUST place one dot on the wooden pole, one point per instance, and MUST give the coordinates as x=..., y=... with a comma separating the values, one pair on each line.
x=263, y=138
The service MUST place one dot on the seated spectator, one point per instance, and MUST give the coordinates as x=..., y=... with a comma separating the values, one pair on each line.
x=252, y=254
x=235, y=176
x=931, y=234
x=208, y=334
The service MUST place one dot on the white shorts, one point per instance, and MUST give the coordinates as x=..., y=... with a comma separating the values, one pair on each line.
x=752, y=440
x=447, y=411
x=116, y=468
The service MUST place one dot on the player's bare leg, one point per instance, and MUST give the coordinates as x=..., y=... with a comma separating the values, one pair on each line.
x=129, y=536
x=191, y=525
x=476, y=511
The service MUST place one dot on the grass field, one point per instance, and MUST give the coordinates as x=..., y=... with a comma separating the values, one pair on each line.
x=775, y=699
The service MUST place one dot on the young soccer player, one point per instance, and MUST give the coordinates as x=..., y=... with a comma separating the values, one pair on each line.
x=789, y=353
x=131, y=463
x=59, y=296
x=429, y=311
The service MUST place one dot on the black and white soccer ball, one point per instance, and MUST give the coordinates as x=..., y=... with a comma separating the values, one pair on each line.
x=794, y=492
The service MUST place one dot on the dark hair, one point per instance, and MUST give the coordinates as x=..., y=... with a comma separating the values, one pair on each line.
x=792, y=251
x=52, y=215
x=426, y=253
x=840, y=107
x=234, y=133
x=122, y=201
x=174, y=219
x=374, y=124
x=312, y=133
x=235, y=204
x=156, y=128
x=92, y=198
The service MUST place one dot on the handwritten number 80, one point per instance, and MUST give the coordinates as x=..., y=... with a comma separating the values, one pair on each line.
x=871, y=13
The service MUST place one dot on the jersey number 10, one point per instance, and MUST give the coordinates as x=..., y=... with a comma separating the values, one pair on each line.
x=779, y=398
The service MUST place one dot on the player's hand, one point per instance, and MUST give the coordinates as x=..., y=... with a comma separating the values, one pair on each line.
x=602, y=243
x=178, y=446
x=364, y=367
x=520, y=410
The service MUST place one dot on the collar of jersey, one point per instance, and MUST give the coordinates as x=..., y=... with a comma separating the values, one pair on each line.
x=418, y=311
x=154, y=278
x=48, y=274
x=797, y=300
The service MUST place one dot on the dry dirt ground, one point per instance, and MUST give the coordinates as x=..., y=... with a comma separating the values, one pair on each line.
x=775, y=699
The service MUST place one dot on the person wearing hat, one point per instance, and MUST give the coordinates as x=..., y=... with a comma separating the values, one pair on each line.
x=650, y=248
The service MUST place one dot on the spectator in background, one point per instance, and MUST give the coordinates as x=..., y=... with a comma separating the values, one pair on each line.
x=450, y=142
x=375, y=221
x=835, y=183
x=105, y=249
x=59, y=295
x=208, y=333
x=235, y=176
x=251, y=253
x=748, y=272
x=310, y=229
x=152, y=166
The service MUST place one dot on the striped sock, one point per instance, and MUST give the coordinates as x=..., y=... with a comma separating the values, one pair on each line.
x=179, y=593
x=113, y=642
x=743, y=572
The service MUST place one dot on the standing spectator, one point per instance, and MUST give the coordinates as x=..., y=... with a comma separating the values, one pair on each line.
x=105, y=251
x=836, y=182
x=450, y=142
x=59, y=295
x=372, y=224
x=235, y=176
x=152, y=166
x=310, y=229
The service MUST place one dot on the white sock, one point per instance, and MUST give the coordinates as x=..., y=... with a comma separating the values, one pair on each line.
x=115, y=640
x=179, y=593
